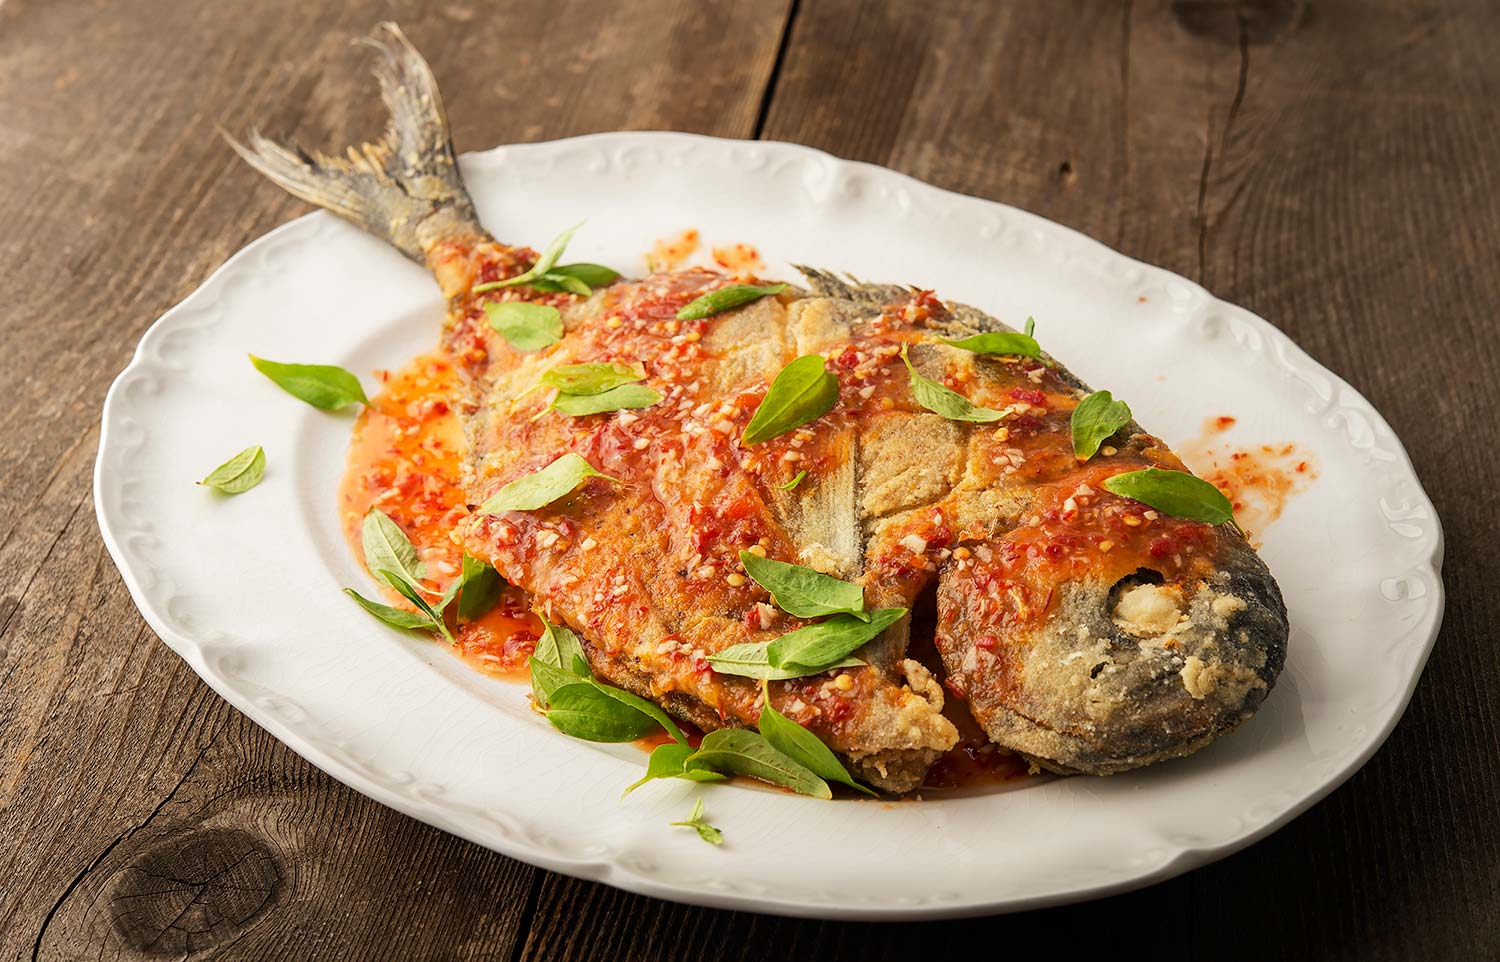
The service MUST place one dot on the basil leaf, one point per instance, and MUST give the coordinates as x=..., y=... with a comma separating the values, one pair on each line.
x=999, y=342
x=553, y=281
x=594, y=275
x=559, y=652
x=801, y=392
x=411, y=593
x=709, y=833
x=749, y=660
x=1094, y=419
x=542, y=266
x=240, y=473
x=825, y=642
x=399, y=617
x=940, y=400
x=559, y=647
x=575, y=278
x=324, y=386
x=794, y=482
x=480, y=585
x=615, y=399
x=802, y=591
x=546, y=679
x=584, y=711
x=387, y=547
x=570, y=651
x=1002, y=342
x=595, y=378
x=802, y=746
x=1176, y=493
x=669, y=760
x=725, y=298
x=524, y=325
x=541, y=488
x=744, y=752
x=546, y=647
x=649, y=709
x=705, y=831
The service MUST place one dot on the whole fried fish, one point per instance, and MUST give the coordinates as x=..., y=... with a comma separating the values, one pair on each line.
x=1083, y=629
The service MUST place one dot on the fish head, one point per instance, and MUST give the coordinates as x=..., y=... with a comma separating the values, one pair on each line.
x=1097, y=668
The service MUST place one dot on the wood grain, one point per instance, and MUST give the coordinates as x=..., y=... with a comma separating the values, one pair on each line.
x=1329, y=165
x=134, y=804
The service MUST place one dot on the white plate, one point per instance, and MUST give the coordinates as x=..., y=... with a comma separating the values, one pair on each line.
x=246, y=589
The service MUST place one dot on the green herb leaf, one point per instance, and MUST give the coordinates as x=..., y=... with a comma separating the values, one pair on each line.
x=802, y=746
x=546, y=679
x=559, y=647
x=240, y=473
x=575, y=278
x=940, y=400
x=560, y=655
x=399, y=617
x=595, y=378
x=725, y=298
x=802, y=591
x=413, y=594
x=615, y=399
x=1094, y=419
x=542, y=266
x=744, y=752
x=524, y=325
x=803, y=391
x=1176, y=493
x=594, y=275
x=479, y=587
x=324, y=386
x=796, y=480
x=649, y=709
x=705, y=831
x=825, y=642
x=749, y=660
x=553, y=281
x=1002, y=342
x=585, y=711
x=670, y=761
x=541, y=488
x=388, y=548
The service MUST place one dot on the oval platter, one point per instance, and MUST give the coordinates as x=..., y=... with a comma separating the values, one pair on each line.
x=246, y=589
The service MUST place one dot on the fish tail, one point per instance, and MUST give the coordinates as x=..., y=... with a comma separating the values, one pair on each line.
x=404, y=188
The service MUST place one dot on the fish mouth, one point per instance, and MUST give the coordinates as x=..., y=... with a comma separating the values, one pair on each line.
x=1126, y=673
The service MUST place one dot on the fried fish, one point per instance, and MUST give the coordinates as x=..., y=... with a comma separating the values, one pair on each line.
x=1082, y=628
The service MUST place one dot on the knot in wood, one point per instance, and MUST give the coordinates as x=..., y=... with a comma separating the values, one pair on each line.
x=193, y=893
x=1254, y=23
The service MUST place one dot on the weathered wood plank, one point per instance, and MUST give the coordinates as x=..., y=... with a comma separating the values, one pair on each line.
x=1327, y=166
x=117, y=766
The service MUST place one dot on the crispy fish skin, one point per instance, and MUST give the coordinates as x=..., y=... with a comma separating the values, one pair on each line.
x=1084, y=630
x=1101, y=660
x=646, y=569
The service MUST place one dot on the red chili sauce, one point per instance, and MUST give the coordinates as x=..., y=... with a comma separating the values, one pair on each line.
x=1258, y=479
x=406, y=459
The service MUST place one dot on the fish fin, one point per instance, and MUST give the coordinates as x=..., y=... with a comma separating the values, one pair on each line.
x=850, y=288
x=405, y=187
x=823, y=282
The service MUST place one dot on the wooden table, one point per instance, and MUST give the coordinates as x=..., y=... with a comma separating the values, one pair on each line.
x=1332, y=166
